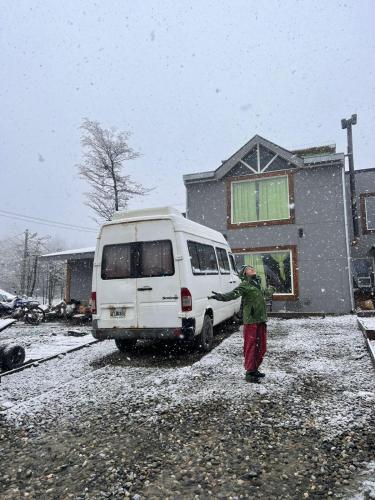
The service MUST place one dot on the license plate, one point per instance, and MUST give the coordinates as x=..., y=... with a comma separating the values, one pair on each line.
x=118, y=312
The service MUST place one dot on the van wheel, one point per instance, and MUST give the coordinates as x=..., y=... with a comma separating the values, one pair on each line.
x=205, y=339
x=125, y=345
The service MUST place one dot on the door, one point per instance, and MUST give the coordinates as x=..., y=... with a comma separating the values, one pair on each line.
x=158, y=283
x=116, y=277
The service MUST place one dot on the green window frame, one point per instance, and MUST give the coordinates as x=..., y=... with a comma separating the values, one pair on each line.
x=260, y=200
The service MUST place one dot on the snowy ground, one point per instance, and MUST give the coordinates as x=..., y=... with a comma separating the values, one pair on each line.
x=46, y=339
x=319, y=389
x=368, y=323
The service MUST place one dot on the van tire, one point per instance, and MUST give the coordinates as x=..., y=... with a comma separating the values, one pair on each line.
x=204, y=340
x=125, y=345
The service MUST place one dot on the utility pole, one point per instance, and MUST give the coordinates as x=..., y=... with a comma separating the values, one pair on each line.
x=24, y=261
x=347, y=124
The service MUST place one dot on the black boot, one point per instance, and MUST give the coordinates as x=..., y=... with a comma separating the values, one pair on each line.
x=252, y=377
x=259, y=374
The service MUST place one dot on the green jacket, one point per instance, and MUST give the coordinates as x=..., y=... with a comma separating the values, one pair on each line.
x=253, y=300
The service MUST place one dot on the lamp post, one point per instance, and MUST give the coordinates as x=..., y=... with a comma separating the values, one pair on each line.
x=347, y=124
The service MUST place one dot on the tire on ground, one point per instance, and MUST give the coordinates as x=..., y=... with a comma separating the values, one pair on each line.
x=204, y=340
x=12, y=356
x=125, y=345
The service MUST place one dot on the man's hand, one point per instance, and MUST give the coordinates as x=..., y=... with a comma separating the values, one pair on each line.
x=216, y=296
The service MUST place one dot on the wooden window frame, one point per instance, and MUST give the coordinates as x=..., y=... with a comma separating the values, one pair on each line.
x=294, y=264
x=290, y=220
x=362, y=198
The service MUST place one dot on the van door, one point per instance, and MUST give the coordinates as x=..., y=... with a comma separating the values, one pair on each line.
x=116, y=283
x=158, y=282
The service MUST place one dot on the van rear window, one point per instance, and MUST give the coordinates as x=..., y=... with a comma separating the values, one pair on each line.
x=117, y=261
x=156, y=259
x=145, y=259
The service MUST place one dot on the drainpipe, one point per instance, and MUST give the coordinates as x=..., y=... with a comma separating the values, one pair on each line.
x=347, y=124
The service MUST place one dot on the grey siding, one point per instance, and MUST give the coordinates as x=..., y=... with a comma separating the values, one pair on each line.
x=321, y=252
x=81, y=279
x=365, y=183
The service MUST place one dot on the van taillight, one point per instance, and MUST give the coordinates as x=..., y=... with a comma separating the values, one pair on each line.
x=93, y=302
x=186, y=300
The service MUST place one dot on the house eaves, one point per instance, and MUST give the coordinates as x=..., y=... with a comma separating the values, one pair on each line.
x=77, y=254
x=315, y=161
x=199, y=177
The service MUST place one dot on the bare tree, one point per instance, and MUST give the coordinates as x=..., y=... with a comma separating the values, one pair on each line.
x=22, y=270
x=105, y=151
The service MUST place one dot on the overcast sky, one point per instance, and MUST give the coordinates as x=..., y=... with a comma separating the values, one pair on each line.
x=192, y=80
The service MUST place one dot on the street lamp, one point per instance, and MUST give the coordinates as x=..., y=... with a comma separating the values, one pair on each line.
x=347, y=124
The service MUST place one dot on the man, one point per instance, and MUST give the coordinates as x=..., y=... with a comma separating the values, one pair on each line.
x=254, y=320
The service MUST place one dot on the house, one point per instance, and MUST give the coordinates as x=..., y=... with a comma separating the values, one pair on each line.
x=288, y=214
x=79, y=266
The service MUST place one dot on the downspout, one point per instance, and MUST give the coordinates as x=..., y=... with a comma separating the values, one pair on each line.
x=347, y=240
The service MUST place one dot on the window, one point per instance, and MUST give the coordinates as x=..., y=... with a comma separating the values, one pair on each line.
x=145, y=259
x=156, y=259
x=117, y=261
x=362, y=270
x=203, y=258
x=260, y=199
x=368, y=212
x=223, y=260
x=233, y=263
x=275, y=267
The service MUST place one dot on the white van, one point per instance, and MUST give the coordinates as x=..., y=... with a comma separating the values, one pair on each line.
x=153, y=273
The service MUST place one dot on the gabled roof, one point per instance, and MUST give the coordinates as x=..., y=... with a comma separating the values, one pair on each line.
x=257, y=140
x=238, y=156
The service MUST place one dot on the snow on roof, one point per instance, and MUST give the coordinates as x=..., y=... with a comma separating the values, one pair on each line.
x=180, y=223
x=145, y=212
x=68, y=253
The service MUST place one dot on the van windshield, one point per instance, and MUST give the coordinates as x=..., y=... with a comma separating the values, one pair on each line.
x=145, y=259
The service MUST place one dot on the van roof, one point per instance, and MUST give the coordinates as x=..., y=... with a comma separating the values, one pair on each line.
x=180, y=223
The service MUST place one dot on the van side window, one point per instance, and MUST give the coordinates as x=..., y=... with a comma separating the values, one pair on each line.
x=223, y=260
x=233, y=263
x=203, y=258
x=193, y=252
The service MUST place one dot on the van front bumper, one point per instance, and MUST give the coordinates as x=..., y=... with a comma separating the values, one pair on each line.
x=187, y=332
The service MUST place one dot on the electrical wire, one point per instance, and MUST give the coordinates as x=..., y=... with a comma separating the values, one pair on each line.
x=45, y=222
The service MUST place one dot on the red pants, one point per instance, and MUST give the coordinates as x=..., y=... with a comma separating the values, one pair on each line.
x=254, y=345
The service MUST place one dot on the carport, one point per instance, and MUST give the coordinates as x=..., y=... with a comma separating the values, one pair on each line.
x=79, y=266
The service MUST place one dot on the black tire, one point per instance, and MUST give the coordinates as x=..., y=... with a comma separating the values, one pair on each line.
x=205, y=339
x=35, y=316
x=12, y=356
x=125, y=345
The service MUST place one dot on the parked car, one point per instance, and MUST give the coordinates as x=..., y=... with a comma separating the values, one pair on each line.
x=153, y=273
x=5, y=296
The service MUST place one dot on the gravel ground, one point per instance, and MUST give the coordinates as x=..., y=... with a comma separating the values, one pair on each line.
x=164, y=423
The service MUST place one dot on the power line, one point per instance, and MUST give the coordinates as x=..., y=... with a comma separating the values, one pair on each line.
x=45, y=222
